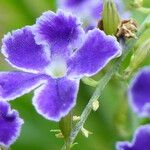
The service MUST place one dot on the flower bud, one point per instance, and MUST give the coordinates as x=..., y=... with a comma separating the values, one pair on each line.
x=59, y=135
x=95, y=105
x=110, y=17
x=76, y=118
x=127, y=29
x=144, y=26
x=139, y=56
x=138, y=3
x=85, y=132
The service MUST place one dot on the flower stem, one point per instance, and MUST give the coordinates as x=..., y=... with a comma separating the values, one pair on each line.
x=102, y=84
x=65, y=126
x=100, y=87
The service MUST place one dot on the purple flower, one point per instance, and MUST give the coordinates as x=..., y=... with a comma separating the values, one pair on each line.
x=141, y=140
x=90, y=10
x=54, y=55
x=10, y=124
x=139, y=93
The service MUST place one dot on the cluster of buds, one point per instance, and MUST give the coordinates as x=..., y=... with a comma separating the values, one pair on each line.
x=113, y=25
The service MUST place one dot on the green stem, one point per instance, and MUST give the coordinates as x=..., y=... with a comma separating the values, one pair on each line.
x=102, y=84
x=100, y=87
x=65, y=126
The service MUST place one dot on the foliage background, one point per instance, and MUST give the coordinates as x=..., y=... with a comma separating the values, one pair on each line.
x=113, y=121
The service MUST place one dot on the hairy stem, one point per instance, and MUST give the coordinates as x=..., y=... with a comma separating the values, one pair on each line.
x=103, y=82
x=100, y=87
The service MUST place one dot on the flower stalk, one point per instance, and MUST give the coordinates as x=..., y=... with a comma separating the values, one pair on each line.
x=65, y=126
x=100, y=87
x=102, y=84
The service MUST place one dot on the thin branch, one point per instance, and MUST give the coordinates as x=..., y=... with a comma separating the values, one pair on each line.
x=102, y=84
x=100, y=87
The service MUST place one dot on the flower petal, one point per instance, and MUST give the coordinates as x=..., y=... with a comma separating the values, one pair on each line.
x=55, y=99
x=139, y=93
x=139, y=142
x=22, y=52
x=79, y=7
x=73, y=3
x=10, y=124
x=15, y=84
x=59, y=30
x=96, y=10
x=94, y=55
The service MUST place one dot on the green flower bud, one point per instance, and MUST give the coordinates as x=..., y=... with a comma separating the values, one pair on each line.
x=110, y=17
x=145, y=25
x=138, y=57
x=138, y=3
x=143, y=37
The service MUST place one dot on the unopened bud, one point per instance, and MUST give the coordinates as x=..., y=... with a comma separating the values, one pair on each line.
x=76, y=118
x=85, y=132
x=144, y=26
x=95, y=105
x=59, y=135
x=138, y=3
x=139, y=56
x=110, y=17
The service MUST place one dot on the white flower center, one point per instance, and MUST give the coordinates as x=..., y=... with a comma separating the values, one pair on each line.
x=57, y=68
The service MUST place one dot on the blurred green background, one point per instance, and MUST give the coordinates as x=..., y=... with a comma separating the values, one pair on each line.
x=112, y=122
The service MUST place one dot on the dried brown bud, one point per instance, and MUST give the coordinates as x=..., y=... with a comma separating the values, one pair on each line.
x=127, y=29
